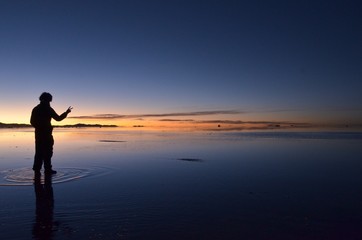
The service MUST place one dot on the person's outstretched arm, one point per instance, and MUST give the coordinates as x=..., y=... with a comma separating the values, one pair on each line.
x=56, y=117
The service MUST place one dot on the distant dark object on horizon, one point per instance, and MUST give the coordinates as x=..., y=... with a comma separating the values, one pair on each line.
x=14, y=125
x=276, y=125
x=190, y=159
x=138, y=126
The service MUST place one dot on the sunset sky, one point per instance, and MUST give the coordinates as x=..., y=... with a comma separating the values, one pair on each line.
x=183, y=62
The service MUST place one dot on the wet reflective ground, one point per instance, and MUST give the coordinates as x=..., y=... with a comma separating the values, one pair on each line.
x=156, y=185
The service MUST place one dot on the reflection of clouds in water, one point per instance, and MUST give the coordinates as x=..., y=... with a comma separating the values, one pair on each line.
x=25, y=176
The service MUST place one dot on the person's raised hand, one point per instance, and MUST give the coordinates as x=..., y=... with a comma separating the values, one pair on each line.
x=69, y=109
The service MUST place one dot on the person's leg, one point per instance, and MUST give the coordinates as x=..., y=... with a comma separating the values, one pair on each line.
x=48, y=154
x=38, y=157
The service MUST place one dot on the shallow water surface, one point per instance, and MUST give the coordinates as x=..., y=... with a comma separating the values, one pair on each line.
x=114, y=184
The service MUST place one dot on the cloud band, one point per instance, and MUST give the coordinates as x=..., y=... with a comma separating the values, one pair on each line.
x=178, y=114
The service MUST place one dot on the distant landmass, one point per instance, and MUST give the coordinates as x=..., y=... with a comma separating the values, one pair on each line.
x=14, y=125
x=78, y=125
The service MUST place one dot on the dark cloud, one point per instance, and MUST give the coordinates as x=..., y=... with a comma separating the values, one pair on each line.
x=176, y=120
x=179, y=114
x=237, y=122
x=221, y=124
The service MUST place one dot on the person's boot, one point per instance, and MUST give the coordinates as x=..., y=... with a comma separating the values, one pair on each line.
x=50, y=171
x=37, y=175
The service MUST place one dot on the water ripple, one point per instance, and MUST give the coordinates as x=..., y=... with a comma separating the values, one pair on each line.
x=25, y=176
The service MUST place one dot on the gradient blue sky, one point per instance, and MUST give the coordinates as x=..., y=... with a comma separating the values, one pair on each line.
x=268, y=60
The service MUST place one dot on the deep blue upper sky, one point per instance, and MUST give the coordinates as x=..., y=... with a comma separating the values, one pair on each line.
x=166, y=56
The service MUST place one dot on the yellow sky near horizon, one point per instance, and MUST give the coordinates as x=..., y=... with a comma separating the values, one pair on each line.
x=214, y=122
x=189, y=120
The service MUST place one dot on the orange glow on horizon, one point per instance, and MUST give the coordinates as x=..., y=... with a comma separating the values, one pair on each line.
x=206, y=122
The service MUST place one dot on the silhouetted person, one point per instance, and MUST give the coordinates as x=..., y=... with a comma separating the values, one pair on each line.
x=44, y=225
x=41, y=120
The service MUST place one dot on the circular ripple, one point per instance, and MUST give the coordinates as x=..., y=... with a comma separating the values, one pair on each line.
x=25, y=176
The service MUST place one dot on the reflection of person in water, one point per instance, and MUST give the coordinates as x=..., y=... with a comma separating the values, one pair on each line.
x=41, y=120
x=44, y=225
